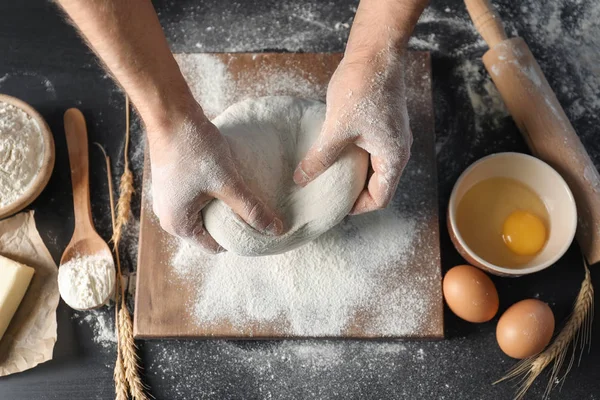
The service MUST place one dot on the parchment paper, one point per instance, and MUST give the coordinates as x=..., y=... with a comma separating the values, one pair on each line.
x=30, y=337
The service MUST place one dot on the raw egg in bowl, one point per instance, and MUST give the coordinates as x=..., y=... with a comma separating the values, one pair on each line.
x=511, y=214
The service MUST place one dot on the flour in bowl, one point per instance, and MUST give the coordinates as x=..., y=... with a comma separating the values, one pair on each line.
x=21, y=152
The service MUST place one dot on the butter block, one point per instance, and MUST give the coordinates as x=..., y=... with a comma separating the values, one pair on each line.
x=14, y=281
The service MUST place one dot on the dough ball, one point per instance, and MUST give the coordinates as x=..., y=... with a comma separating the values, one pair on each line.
x=268, y=137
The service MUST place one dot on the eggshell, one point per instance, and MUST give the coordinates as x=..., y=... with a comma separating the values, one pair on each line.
x=470, y=294
x=525, y=328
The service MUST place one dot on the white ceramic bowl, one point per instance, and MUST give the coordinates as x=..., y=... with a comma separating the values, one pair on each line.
x=43, y=176
x=543, y=180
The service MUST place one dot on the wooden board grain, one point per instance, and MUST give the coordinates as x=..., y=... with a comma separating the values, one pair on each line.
x=163, y=301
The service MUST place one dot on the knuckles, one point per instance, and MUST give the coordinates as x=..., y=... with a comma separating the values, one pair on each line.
x=173, y=225
x=181, y=224
x=175, y=220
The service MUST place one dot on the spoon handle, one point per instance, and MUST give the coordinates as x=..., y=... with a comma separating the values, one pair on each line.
x=77, y=143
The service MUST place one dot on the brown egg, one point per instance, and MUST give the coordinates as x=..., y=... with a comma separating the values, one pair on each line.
x=470, y=294
x=525, y=328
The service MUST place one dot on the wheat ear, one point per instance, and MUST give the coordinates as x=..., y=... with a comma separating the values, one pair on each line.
x=130, y=357
x=126, y=373
x=127, y=348
x=126, y=188
x=576, y=331
x=121, y=388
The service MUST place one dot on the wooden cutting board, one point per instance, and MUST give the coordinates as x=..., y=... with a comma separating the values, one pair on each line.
x=404, y=297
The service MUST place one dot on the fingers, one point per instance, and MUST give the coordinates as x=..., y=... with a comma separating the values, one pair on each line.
x=251, y=209
x=320, y=156
x=206, y=241
x=188, y=224
x=199, y=233
x=185, y=219
x=382, y=184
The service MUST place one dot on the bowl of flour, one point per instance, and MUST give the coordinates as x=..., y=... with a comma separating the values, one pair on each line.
x=26, y=155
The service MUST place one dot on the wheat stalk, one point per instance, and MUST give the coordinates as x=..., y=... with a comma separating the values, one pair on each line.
x=121, y=388
x=576, y=331
x=126, y=373
x=130, y=358
x=127, y=348
x=126, y=188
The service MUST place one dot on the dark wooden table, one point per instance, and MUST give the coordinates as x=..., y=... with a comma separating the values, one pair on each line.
x=43, y=62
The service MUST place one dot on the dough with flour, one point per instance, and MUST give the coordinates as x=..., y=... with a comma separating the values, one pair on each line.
x=268, y=137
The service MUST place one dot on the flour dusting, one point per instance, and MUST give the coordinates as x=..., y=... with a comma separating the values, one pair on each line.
x=571, y=46
x=102, y=326
x=319, y=289
x=312, y=368
x=266, y=25
x=208, y=81
x=213, y=86
x=357, y=274
x=488, y=106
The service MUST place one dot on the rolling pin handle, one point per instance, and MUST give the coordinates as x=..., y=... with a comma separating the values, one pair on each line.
x=487, y=21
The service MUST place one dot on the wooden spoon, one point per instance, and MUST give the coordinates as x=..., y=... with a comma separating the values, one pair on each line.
x=85, y=240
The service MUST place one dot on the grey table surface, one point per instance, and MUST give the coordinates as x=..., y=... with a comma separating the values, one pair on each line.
x=43, y=62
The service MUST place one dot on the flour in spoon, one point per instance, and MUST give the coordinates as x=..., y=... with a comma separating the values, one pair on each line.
x=87, y=281
x=21, y=152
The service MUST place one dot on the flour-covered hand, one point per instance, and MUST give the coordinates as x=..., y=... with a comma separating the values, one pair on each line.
x=191, y=164
x=366, y=107
x=366, y=104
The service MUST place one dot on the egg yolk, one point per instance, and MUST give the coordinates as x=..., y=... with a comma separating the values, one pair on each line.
x=524, y=233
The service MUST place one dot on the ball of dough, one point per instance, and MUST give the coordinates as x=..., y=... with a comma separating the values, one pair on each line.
x=268, y=137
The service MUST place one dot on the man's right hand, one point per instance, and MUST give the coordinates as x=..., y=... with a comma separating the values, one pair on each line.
x=191, y=164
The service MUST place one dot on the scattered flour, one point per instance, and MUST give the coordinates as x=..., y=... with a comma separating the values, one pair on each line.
x=488, y=106
x=570, y=46
x=87, y=281
x=210, y=79
x=429, y=43
x=289, y=369
x=102, y=326
x=319, y=289
x=21, y=152
x=215, y=89
x=563, y=36
x=288, y=26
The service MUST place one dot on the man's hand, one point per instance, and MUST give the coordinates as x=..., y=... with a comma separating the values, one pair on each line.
x=366, y=102
x=192, y=164
x=365, y=106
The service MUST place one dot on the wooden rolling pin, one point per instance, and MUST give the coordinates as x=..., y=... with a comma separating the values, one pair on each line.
x=541, y=119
